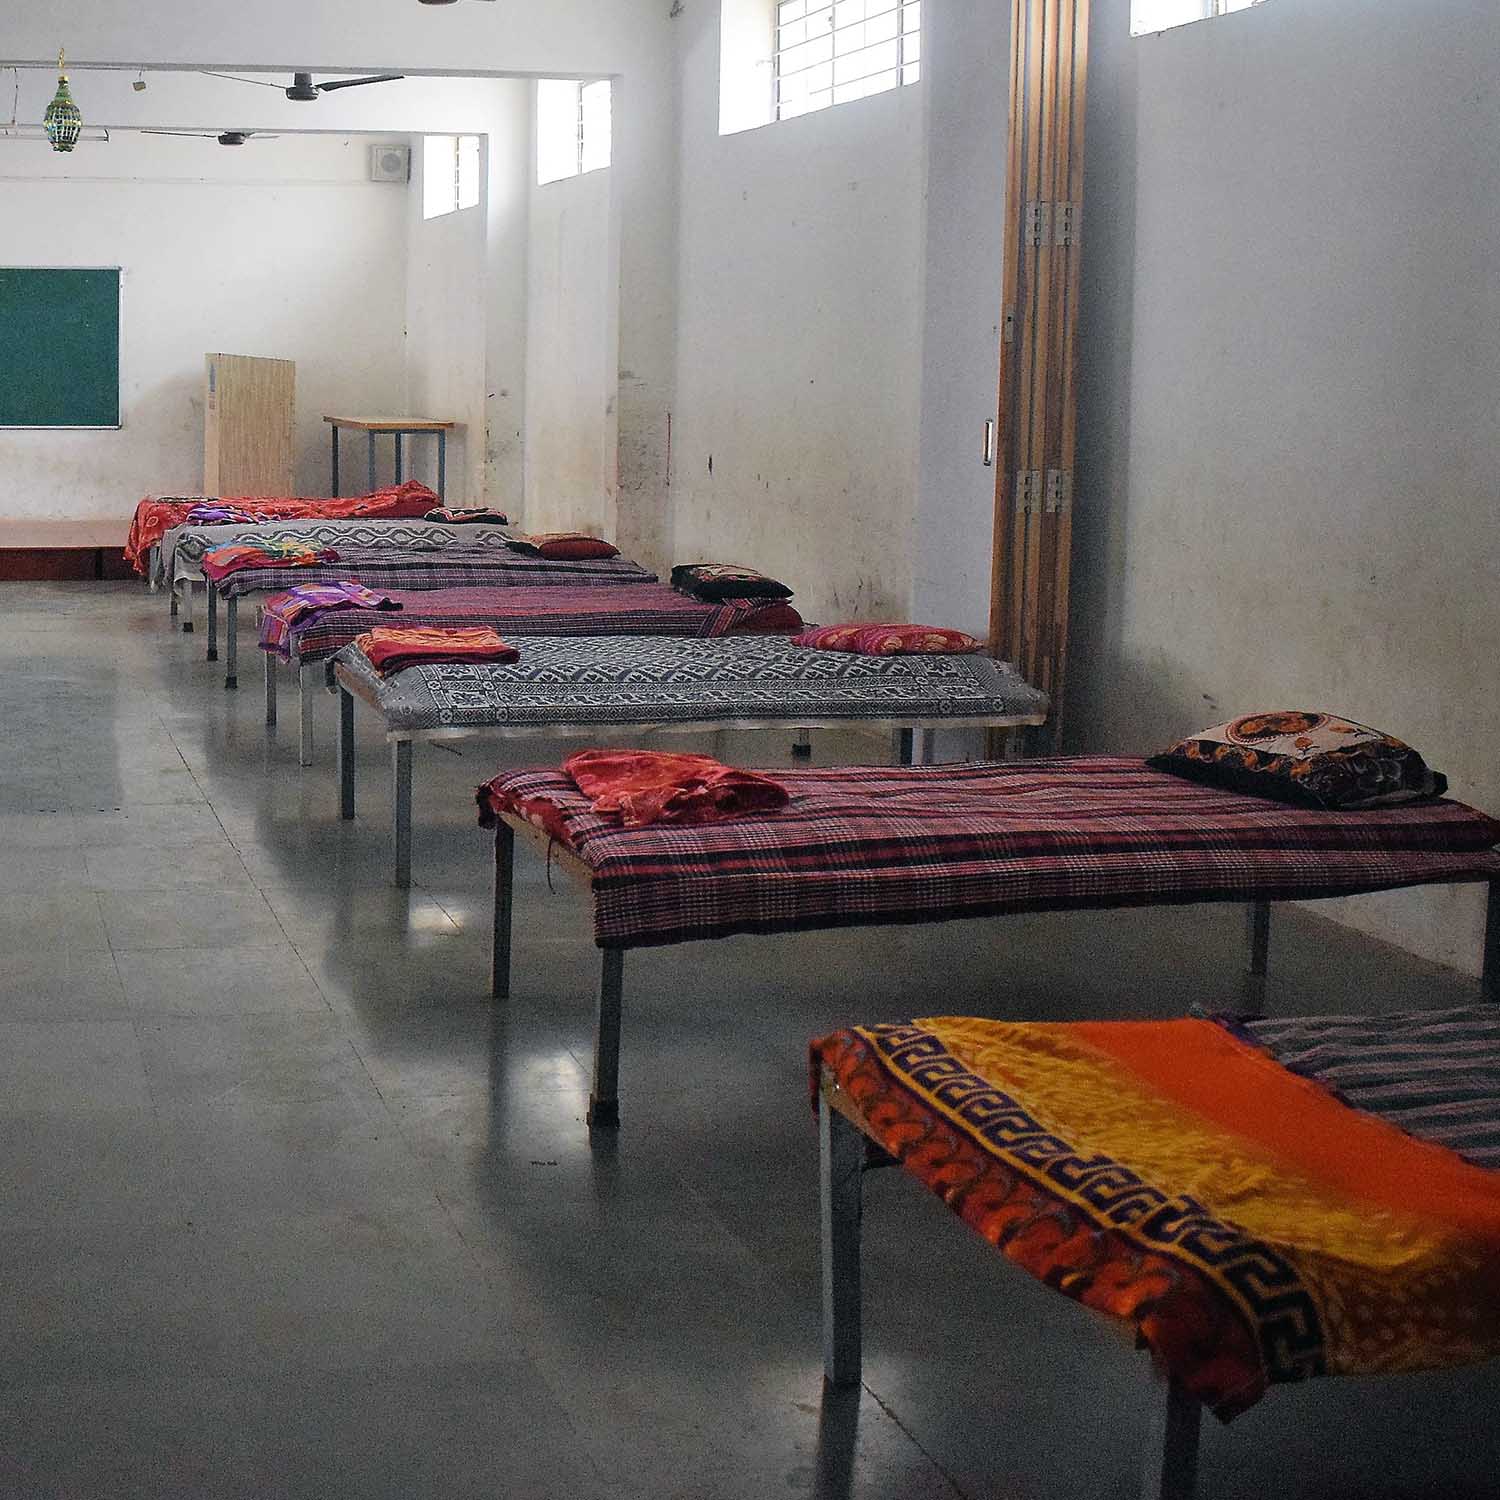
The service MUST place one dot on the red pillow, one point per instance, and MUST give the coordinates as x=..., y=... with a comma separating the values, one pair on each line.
x=565, y=546
x=889, y=640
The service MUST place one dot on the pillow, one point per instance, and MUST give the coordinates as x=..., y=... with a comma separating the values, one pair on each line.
x=889, y=640
x=564, y=546
x=467, y=515
x=1315, y=759
x=715, y=582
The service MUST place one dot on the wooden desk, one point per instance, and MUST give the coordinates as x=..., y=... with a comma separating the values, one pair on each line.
x=398, y=428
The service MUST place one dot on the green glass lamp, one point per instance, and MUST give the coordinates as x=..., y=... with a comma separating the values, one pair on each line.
x=62, y=118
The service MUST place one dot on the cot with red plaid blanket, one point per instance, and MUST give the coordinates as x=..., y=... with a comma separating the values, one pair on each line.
x=862, y=846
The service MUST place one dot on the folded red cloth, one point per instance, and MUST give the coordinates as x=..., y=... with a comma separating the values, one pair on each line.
x=223, y=561
x=392, y=648
x=646, y=786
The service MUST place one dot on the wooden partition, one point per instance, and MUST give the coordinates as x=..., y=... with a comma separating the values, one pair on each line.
x=1038, y=352
x=248, y=444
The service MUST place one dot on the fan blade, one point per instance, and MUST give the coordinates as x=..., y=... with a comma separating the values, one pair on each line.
x=354, y=83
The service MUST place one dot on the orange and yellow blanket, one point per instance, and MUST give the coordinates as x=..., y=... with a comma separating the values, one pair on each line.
x=1250, y=1224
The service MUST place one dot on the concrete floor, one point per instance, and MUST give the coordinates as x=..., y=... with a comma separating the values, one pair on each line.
x=291, y=1209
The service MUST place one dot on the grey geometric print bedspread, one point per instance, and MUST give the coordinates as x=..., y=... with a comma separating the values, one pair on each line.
x=182, y=548
x=658, y=679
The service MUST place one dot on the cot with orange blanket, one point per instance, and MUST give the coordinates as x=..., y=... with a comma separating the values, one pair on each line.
x=866, y=846
x=1258, y=1200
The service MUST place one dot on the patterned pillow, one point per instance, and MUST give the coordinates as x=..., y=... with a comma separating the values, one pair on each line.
x=1316, y=759
x=715, y=582
x=564, y=546
x=890, y=640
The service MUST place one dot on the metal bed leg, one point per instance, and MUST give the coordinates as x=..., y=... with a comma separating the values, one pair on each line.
x=604, y=1101
x=401, y=810
x=211, y=599
x=1171, y=1470
x=841, y=1151
x=305, y=691
x=505, y=859
x=901, y=747
x=924, y=747
x=346, y=755
x=153, y=570
x=1489, y=977
x=1259, y=931
x=187, y=605
x=231, y=642
x=270, y=661
x=802, y=744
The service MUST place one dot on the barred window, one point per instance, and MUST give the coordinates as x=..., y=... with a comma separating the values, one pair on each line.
x=832, y=51
x=573, y=127
x=1159, y=15
x=450, y=174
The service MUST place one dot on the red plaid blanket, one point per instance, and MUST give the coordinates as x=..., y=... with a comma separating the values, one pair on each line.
x=648, y=609
x=155, y=517
x=861, y=846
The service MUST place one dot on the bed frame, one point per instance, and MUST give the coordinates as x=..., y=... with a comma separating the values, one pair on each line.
x=845, y=1154
x=604, y=1102
x=912, y=743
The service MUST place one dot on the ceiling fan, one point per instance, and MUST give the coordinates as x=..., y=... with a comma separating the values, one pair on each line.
x=303, y=89
x=223, y=137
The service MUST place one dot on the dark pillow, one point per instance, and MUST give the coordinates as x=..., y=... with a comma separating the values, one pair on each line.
x=714, y=582
x=1314, y=759
x=467, y=515
x=564, y=546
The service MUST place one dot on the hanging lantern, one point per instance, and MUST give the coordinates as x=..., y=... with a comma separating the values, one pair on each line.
x=62, y=118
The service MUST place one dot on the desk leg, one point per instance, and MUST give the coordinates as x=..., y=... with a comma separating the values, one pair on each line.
x=372, y=461
x=232, y=642
x=1259, y=932
x=346, y=755
x=443, y=465
x=335, y=432
x=1171, y=1470
x=270, y=659
x=399, y=471
x=211, y=600
x=505, y=860
x=401, y=811
x=802, y=744
x=604, y=1101
x=307, y=677
x=841, y=1152
x=1489, y=979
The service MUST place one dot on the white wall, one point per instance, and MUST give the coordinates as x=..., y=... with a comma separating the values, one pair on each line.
x=445, y=338
x=572, y=367
x=799, y=342
x=630, y=39
x=1289, y=483
x=280, y=248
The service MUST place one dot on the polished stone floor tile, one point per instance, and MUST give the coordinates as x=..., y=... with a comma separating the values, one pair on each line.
x=290, y=1207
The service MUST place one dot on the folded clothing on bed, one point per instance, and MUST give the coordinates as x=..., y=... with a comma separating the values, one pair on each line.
x=309, y=600
x=223, y=561
x=1249, y=1224
x=646, y=786
x=393, y=649
x=218, y=515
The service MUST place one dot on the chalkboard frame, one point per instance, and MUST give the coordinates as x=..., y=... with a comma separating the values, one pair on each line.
x=109, y=353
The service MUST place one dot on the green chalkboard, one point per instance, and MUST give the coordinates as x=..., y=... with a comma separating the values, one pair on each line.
x=59, y=347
